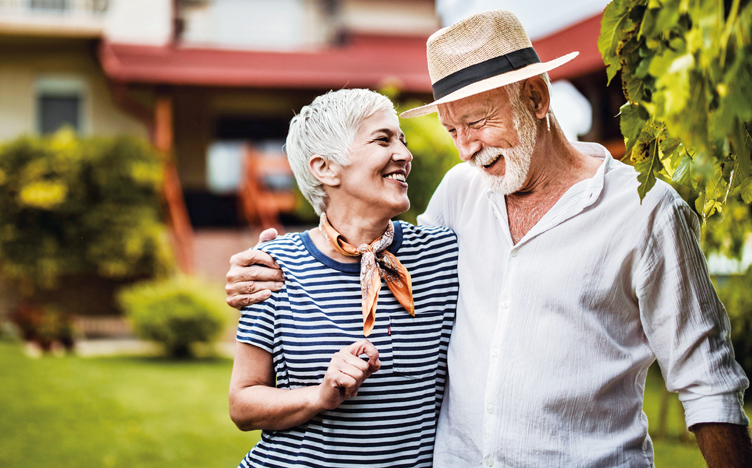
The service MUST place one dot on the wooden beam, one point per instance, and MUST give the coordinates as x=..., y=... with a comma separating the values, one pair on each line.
x=163, y=138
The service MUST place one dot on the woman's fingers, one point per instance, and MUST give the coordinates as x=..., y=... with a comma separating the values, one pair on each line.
x=366, y=347
x=347, y=372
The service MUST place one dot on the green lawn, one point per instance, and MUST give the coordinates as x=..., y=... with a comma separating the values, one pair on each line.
x=149, y=412
x=116, y=412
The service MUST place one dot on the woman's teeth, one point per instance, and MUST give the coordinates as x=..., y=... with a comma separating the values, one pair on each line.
x=400, y=177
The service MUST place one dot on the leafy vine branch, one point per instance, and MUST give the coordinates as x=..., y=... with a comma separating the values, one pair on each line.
x=686, y=70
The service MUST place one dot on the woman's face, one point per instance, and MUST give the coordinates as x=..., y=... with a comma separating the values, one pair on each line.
x=376, y=180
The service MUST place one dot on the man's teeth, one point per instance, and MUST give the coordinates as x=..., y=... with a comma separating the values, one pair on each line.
x=489, y=163
x=400, y=177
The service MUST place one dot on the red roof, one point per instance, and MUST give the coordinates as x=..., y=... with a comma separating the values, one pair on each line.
x=582, y=37
x=364, y=61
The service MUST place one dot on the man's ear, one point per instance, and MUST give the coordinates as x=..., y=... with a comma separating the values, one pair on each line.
x=536, y=96
x=324, y=170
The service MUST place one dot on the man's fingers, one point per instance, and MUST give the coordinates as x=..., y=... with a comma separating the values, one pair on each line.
x=244, y=300
x=253, y=257
x=267, y=235
x=252, y=287
x=254, y=273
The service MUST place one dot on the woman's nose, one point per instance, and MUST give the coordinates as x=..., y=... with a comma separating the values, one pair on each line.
x=402, y=154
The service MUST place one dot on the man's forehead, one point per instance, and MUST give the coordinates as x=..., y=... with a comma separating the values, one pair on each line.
x=467, y=107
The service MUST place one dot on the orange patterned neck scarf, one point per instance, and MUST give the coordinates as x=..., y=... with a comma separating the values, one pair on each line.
x=375, y=263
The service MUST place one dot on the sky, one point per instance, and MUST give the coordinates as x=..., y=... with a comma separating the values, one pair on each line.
x=539, y=17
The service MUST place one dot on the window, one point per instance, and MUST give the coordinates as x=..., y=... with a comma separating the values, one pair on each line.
x=49, y=5
x=60, y=102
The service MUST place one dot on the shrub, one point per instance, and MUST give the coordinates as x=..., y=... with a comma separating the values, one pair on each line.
x=44, y=326
x=175, y=313
x=71, y=206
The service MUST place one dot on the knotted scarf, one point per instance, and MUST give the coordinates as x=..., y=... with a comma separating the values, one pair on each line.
x=375, y=263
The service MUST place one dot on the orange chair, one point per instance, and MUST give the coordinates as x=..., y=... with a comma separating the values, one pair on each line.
x=260, y=202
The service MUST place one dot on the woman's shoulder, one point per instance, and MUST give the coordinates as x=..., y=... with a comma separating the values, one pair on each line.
x=289, y=245
x=427, y=236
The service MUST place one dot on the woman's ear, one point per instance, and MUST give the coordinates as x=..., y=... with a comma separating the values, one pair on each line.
x=324, y=170
x=536, y=92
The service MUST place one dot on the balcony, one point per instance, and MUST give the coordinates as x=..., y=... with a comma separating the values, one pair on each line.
x=68, y=18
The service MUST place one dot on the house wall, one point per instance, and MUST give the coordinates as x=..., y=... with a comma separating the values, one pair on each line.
x=24, y=62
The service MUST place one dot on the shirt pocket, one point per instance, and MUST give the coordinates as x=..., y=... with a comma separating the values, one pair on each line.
x=415, y=345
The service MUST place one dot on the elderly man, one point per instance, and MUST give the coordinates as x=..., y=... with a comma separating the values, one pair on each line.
x=570, y=287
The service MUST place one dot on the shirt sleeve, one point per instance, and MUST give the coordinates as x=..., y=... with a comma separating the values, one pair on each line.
x=685, y=323
x=256, y=324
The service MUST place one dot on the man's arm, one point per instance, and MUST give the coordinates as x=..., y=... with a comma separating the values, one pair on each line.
x=724, y=445
x=253, y=275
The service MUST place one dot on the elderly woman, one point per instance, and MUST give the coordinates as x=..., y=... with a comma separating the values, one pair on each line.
x=304, y=374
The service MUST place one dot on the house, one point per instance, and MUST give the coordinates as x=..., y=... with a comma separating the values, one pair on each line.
x=215, y=82
x=208, y=81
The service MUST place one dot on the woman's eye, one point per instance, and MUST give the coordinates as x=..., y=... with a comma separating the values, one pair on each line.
x=477, y=123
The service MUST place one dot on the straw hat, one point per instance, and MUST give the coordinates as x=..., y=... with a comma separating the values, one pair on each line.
x=485, y=51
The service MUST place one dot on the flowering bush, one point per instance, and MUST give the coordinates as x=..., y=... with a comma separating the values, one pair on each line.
x=71, y=206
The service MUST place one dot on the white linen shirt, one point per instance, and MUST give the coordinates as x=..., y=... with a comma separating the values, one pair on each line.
x=554, y=335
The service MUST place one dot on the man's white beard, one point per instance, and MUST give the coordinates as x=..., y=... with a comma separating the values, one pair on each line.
x=516, y=160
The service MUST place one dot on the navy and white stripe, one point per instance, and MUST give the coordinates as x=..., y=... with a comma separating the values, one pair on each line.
x=392, y=420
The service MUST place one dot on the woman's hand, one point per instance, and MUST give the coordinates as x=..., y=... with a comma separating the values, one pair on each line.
x=256, y=403
x=347, y=372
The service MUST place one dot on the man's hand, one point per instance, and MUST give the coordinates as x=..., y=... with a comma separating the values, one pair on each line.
x=347, y=372
x=253, y=275
x=724, y=445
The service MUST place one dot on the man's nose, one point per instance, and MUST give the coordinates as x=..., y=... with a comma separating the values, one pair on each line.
x=467, y=145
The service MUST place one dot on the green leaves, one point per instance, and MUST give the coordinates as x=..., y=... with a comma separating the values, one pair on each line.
x=616, y=28
x=70, y=206
x=687, y=76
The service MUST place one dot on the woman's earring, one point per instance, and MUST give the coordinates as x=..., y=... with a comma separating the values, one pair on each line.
x=548, y=123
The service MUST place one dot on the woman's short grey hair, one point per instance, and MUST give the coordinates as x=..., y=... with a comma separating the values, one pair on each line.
x=327, y=127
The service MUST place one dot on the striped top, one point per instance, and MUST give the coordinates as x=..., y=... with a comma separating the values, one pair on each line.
x=392, y=420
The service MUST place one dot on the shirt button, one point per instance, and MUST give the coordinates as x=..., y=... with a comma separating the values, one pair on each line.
x=495, y=352
x=490, y=409
x=489, y=461
x=505, y=304
x=514, y=253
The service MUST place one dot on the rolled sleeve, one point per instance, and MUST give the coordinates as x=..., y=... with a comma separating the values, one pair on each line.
x=686, y=325
x=723, y=408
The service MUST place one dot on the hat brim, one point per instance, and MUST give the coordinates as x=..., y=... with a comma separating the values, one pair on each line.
x=490, y=83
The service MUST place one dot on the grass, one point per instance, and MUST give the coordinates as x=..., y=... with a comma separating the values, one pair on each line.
x=116, y=412
x=149, y=412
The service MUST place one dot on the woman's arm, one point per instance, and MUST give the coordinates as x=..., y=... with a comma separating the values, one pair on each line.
x=255, y=402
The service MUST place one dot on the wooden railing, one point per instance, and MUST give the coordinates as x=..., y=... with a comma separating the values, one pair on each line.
x=182, y=232
x=259, y=202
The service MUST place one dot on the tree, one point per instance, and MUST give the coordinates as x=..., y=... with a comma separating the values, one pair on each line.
x=687, y=75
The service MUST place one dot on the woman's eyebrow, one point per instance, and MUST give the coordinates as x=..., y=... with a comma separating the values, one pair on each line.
x=388, y=131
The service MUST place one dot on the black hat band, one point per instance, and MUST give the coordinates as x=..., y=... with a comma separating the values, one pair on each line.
x=486, y=69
